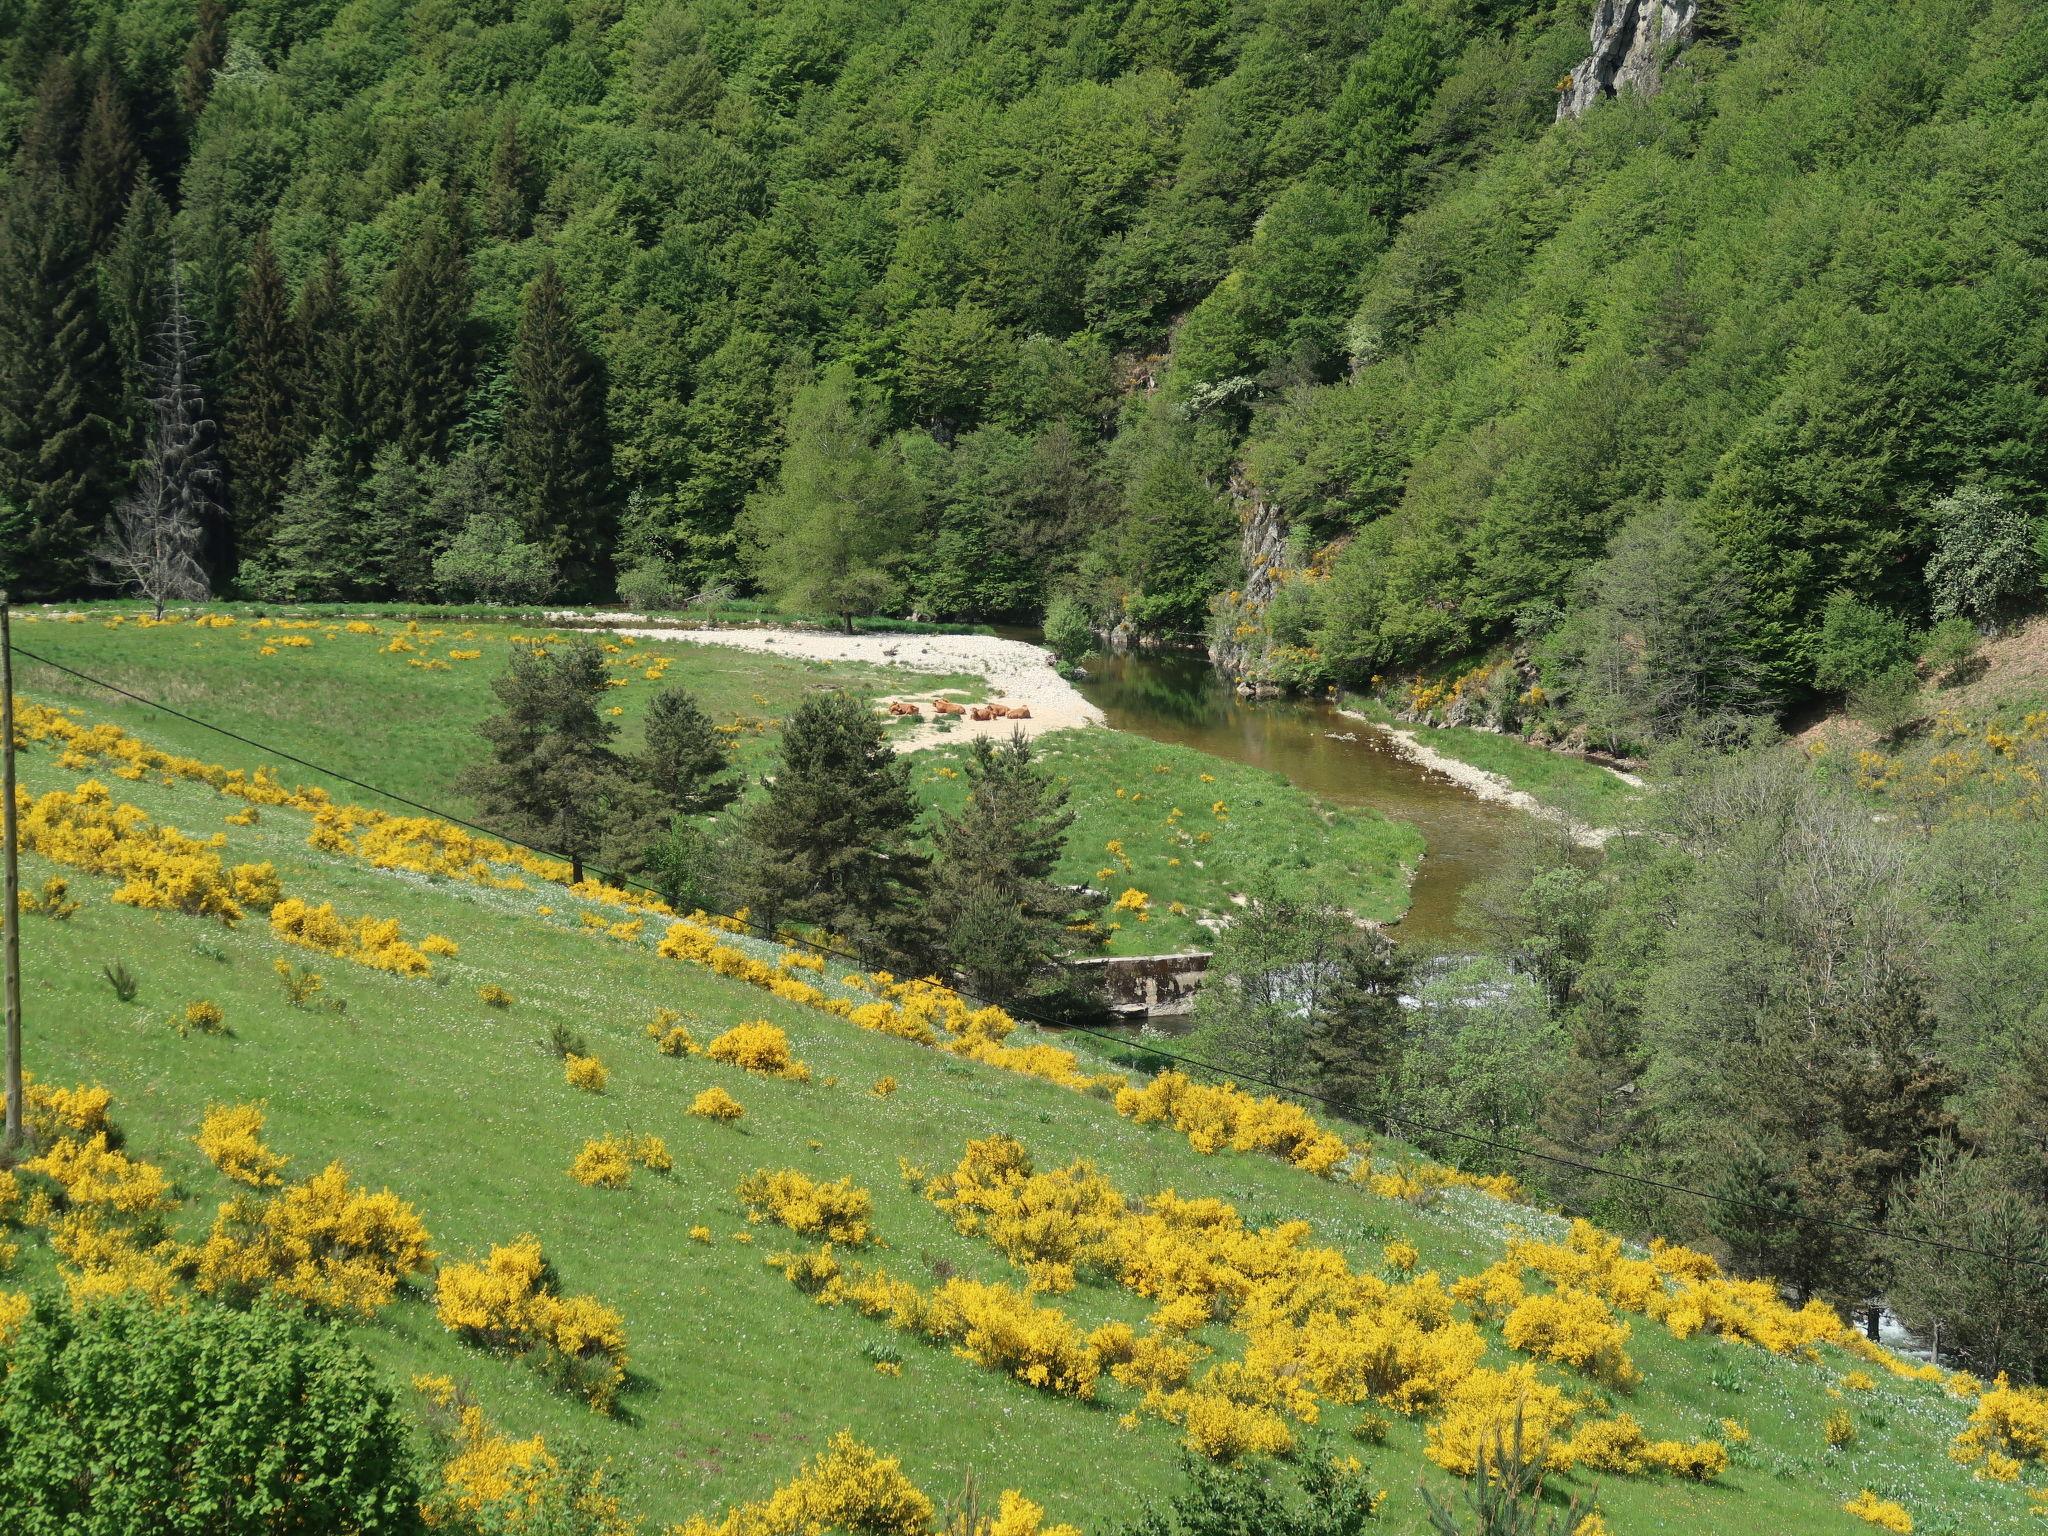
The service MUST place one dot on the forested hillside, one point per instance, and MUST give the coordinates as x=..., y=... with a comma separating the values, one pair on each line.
x=524, y=299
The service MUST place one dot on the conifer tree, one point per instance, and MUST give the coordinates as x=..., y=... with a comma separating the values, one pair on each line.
x=419, y=345
x=58, y=385
x=557, y=452
x=1004, y=918
x=553, y=779
x=508, y=194
x=829, y=844
x=684, y=762
x=152, y=542
x=204, y=55
x=107, y=163
x=262, y=423
x=1355, y=1036
x=332, y=393
x=314, y=548
x=134, y=292
x=399, y=546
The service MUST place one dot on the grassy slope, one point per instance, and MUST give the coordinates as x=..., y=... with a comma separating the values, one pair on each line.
x=462, y=1110
x=348, y=702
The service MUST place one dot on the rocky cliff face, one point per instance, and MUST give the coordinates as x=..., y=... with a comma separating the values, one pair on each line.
x=1632, y=42
x=1237, y=640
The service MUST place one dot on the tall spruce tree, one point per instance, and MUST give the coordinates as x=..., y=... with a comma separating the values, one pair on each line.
x=58, y=383
x=107, y=163
x=419, y=351
x=553, y=779
x=332, y=393
x=829, y=845
x=262, y=436
x=418, y=359
x=684, y=762
x=203, y=56
x=1004, y=918
x=508, y=193
x=134, y=293
x=557, y=451
x=1356, y=1034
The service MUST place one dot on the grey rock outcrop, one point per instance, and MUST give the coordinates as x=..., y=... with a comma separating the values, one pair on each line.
x=1632, y=41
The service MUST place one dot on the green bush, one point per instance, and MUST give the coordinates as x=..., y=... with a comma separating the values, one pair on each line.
x=221, y=1423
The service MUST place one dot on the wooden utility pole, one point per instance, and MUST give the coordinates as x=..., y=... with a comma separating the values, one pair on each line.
x=12, y=910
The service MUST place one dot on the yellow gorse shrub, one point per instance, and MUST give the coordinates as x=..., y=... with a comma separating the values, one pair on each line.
x=758, y=1047
x=231, y=1136
x=509, y=1302
x=161, y=869
x=2008, y=1421
x=715, y=1103
x=608, y=1161
x=585, y=1072
x=335, y=1247
x=1886, y=1514
x=492, y=1482
x=839, y=1212
x=370, y=941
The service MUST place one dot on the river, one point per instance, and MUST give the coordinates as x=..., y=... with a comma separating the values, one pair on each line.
x=1177, y=697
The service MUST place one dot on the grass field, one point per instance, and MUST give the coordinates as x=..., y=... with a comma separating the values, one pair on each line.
x=396, y=704
x=736, y=1377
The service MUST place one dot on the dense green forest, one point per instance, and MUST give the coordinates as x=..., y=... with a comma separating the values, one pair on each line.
x=983, y=303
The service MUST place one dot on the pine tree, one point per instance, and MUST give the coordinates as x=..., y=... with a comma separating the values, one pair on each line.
x=829, y=845
x=419, y=346
x=58, y=385
x=398, y=549
x=684, y=762
x=557, y=452
x=315, y=547
x=508, y=194
x=332, y=393
x=152, y=542
x=262, y=437
x=553, y=779
x=1004, y=917
x=107, y=163
x=1355, y=1035
x=209, y=47
x=134, y=290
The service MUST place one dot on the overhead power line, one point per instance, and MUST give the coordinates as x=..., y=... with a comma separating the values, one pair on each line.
x=1406, y=1122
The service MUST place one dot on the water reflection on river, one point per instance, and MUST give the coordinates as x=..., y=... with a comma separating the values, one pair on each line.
x=1177, y=697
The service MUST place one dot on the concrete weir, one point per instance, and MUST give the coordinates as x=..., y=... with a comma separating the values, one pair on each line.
x=1147, y=986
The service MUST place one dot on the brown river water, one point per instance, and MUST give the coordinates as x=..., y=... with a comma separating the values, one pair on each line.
x=1177, y=697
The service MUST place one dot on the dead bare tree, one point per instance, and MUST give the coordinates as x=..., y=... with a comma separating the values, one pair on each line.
x=152, y=540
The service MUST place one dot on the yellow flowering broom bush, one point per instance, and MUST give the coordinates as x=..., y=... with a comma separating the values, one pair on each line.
x=853, y=1488
x=509, y=1302
x=490, y=1481
x=840, y=1211
x=336, y=1248
x=715, y=1103
x=370, y=941
x=758, y=1047
x=2009, y=1422
x=161, y=869
x=608, y=1161
x=231, y=1136
x=585, y=1072
x=1886, y=1514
